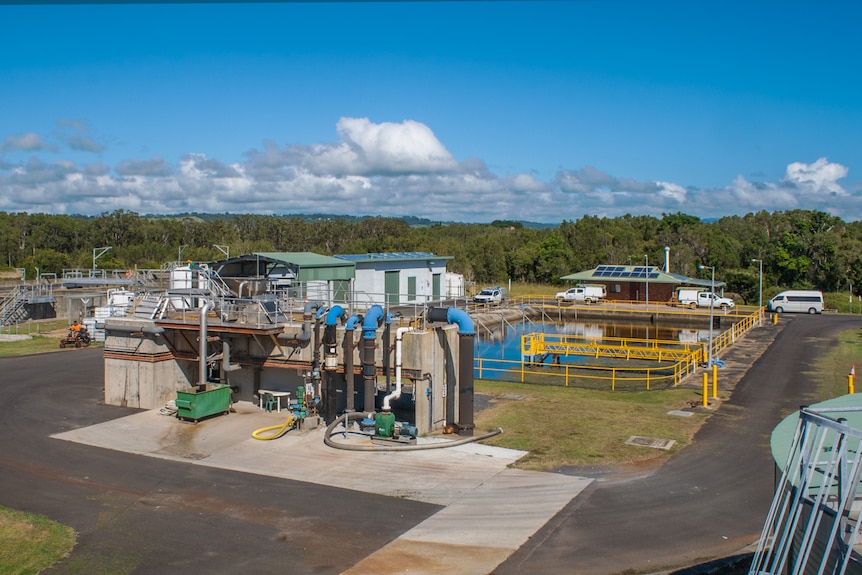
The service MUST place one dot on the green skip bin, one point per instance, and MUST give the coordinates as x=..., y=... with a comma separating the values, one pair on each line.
x=194, y=404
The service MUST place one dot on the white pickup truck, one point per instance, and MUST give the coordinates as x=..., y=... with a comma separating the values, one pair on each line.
x=491, y=295
x=696, y=298
x=583, y=294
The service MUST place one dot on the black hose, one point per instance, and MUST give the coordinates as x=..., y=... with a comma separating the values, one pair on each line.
x=346, y=417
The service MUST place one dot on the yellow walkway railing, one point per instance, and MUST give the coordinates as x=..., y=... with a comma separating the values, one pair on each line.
x=541, y=344
x=661, y=363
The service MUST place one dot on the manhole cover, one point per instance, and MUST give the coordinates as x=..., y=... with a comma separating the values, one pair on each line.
x=650, y=442
x=512, y=396
x=681, y=413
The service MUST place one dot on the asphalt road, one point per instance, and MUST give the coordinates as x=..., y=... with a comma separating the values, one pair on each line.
x=145, y=515
x=710, y=500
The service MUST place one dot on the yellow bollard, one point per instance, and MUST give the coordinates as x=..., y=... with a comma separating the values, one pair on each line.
x=705, y=389
x=714, y=381
x=850, y=384
x=775, y=319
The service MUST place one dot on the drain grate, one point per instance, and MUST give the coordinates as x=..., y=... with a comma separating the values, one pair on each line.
x=650, y=442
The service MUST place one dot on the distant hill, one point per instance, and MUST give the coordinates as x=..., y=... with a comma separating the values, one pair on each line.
x=411, y=221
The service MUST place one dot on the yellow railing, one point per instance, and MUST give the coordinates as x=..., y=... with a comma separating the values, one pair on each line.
x=728, y=337
x=570, y=375
x=683, y=357
x=534, y=344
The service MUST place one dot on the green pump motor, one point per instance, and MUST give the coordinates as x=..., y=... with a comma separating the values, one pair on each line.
x=384, y=424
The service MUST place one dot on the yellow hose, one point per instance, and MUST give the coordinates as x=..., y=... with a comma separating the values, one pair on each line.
x=277, y=430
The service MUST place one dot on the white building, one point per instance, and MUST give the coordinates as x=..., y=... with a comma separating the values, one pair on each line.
x=398, y=278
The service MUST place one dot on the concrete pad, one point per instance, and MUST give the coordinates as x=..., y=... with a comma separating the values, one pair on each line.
x=489, y=510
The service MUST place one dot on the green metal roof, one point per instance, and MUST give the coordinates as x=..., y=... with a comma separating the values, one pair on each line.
x=313, y=267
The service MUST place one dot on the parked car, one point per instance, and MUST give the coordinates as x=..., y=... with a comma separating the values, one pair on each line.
x=491, y=295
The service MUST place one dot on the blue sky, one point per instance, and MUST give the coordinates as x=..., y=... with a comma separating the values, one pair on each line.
x=465, y=111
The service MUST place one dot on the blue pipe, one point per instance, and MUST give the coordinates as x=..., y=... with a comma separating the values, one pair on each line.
x=460, y=317
x=371, y=321
x=334, y=313
x=352, y=321
x=310, y=306
x=320, y=313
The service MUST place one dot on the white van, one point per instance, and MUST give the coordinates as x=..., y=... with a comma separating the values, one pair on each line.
x=802, y=301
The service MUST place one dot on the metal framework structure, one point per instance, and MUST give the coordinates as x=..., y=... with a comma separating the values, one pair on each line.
x=812, y=523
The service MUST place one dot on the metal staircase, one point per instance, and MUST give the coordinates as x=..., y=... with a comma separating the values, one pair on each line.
x=13, y=306
x=150, y=306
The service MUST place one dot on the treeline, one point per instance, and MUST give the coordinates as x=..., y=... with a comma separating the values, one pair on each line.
x=799, y=248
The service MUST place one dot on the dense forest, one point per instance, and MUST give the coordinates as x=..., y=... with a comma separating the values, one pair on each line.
x=799, y=248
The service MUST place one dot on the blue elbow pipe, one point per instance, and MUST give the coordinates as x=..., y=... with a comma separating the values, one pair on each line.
x=334, y=313
x=352, y=321
x=371, y=321
x=460, y=317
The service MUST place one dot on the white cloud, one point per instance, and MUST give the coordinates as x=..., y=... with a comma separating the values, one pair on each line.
x=819, y=178
x=406, y=148
x=29, y=142
x=154, y=167
x=389, y=169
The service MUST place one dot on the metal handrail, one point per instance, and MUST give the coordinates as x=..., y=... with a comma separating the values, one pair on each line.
x=571, y=375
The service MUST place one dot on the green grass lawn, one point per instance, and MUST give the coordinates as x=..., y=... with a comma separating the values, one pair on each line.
x=42, y=340
x=29, y=543
x=574, y=427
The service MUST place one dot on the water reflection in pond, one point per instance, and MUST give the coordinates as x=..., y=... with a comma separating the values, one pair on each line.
x=503, y=341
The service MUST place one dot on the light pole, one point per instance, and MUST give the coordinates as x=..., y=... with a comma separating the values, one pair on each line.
x=96, y=256
x=180, y=253
x=711, y=305
x=760, y=292
x=646, y=270
x=223, y=249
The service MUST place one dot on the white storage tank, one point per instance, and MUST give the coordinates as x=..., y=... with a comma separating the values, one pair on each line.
x=90, y=325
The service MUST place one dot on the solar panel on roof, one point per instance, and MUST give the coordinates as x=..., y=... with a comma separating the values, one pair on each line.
x=637, y=272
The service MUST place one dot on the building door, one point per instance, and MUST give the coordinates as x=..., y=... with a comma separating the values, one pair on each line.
x=435, y=287
x=391, y=285
x=411, y=288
